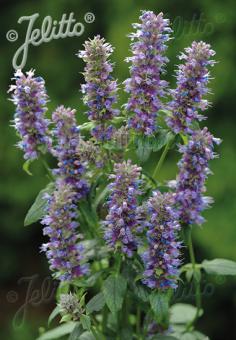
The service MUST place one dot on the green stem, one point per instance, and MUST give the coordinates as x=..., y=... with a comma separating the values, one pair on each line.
x=95, y=333
x=196, y=281
x=161, y=160
x=138, y=320
x=118, y=264
x=48, y=170
x=104, y=319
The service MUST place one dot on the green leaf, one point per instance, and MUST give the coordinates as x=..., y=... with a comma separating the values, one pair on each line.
x=182, y=313
x=140, y=292
x=77, y=331
x=96, y=303
x=114, y=289
x=58, y=332
x=160, y=306
x=220, y=267
x=66, y=318
x=63, y=288
x=164, y=337
x=163, y=137
x=188, y=336
x=86, y=322
x=26, y=166
x=87, y=336
x=200, y=336
x=37, y=210
x=144, y=148
x=86, y=126
x=88, y=214
x=54, y=313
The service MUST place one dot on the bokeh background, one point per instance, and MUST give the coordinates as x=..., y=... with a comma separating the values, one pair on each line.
x=24, y=275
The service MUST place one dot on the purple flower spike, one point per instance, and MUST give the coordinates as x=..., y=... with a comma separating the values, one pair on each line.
x=147, y=65
x=100, y=90
x=121, y=221
x=161, y=259
x=70, y=167
x=193, y=172
x=192, y=81
x=29, y=96
x=64, y=253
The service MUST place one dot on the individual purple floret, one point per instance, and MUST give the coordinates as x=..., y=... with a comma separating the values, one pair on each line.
x=147, y=65
x=30, y=97
x=70, y=166
x=193, y=172
x=192, y=82
x=100, y=89
x=64, y=253
x=121, y=221
x=161, y=259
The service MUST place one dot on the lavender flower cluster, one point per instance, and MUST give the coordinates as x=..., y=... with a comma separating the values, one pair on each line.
x=192, y=81
x=161, y=259
x=70, y=166
x=64, y=253
x=30, y=97
x=145, y=86
x=121, y=221
x=100, y=90
x=193, y=171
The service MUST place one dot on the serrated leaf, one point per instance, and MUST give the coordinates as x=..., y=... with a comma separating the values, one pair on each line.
x=58, y=332
x=163, y=137
x=114, y=289
x=53, y=314
x=37, y=210
x=26, y=167
x=182, y=313
x=96, y=303
x=219, y=267
x=144, y=148
x=140, y=292
x=86, y=322
x=160, y=306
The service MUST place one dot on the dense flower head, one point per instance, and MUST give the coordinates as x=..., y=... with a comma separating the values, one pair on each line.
x=70, y=165
x=121, y=221
x=193, y=172
x=100, y=89
x=90, y=153
x=63, y=251
x=161, y=259
x=192, y=86
x=69, y=304
x=145, y=85
x=30, y=97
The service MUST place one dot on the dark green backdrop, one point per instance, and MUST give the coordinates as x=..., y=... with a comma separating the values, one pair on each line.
x=213, y=21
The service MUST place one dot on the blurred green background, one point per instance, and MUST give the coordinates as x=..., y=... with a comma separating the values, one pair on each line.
x=213, y=21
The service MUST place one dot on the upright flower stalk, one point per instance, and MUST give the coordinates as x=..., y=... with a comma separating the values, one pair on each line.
x=67, y=139
x=64, y=253
x=145, y=85
x=121, y=222
x=100, y=89
x=30, y=97
x=193, y=172
x=161, y=259
x=192, y=85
